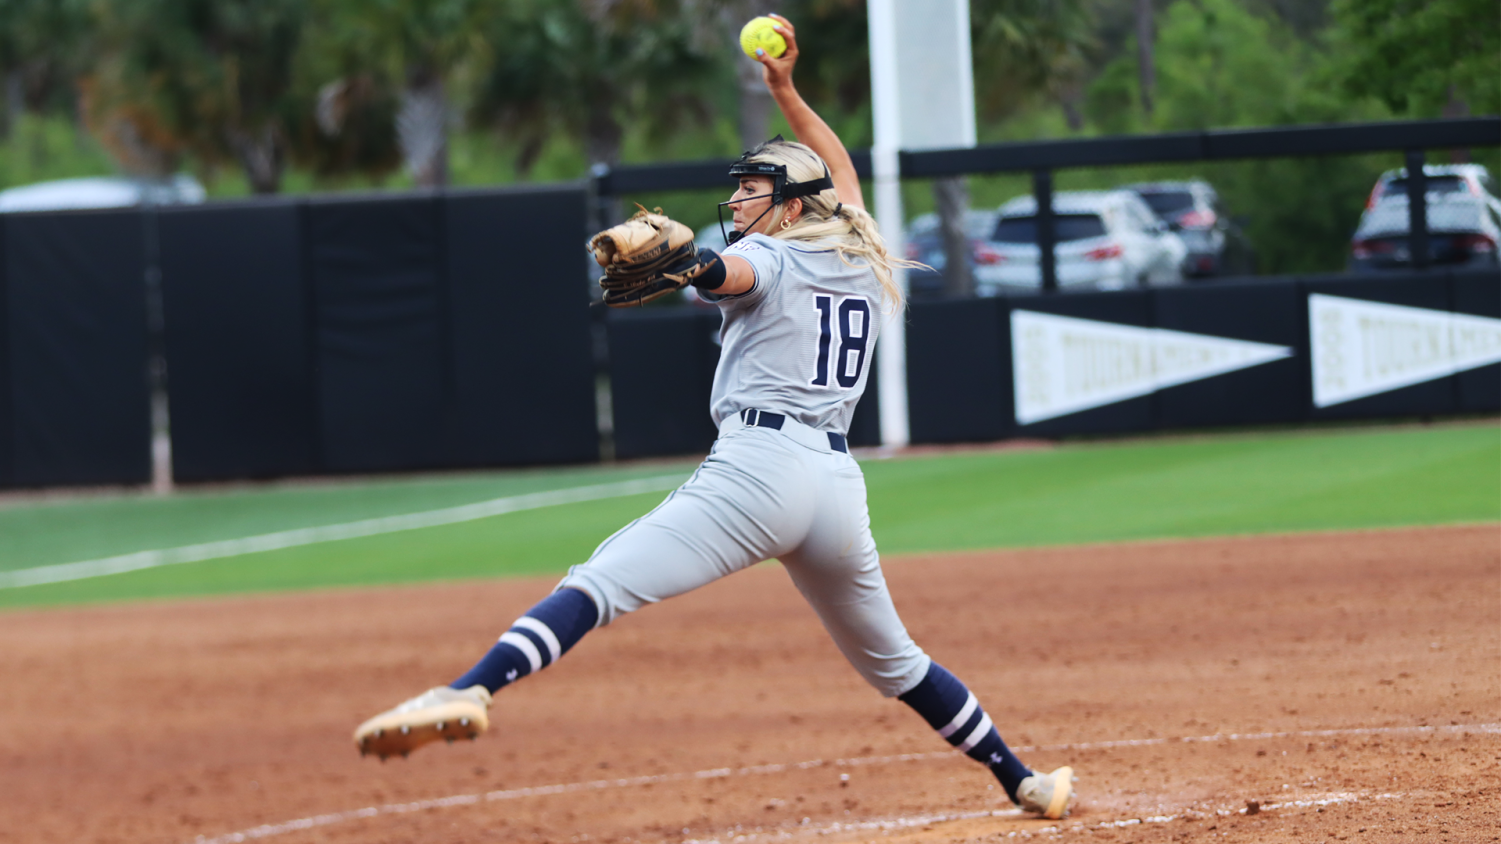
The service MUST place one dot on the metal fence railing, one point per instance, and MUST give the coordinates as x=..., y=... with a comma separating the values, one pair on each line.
x=1043, y=158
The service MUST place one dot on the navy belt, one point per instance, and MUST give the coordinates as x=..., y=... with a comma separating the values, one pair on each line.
x=765, y=419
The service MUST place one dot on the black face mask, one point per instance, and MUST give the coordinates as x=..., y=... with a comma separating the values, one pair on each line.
x=735, y=234
x=781, y=191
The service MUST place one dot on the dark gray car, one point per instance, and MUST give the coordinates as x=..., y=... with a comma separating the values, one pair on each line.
x=925, y=245
x=1216, y=244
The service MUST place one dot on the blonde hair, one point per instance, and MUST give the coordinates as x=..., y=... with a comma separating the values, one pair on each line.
x=845, y=229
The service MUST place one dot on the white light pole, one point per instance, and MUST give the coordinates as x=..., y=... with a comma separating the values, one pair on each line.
x=922, y=97
x=891, y=349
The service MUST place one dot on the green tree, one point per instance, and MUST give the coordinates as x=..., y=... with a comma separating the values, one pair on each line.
x=1021, y=48
x=585, y=68
x=1024, y=48
x=753, y=103
x=42, y=51
x=412, y=50
x=1418, y=56
x=1219, y=65
x=353, y=130
x=207, y=77
x=1306, y=18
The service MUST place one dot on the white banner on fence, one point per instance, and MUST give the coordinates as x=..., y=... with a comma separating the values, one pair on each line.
x=1063, y=365
x=1363, y=348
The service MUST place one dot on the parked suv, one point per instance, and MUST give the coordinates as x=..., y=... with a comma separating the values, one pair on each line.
x=1105, y=240
x=1216, y=245
x=1464, y=220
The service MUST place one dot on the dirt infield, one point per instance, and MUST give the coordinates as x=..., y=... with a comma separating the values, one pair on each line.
x=1346, y=683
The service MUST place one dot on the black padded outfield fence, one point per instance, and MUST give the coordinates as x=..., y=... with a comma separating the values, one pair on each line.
x=239, y=330
x=1233, y=352
x=423, y=331
x=379, y=334
x=76, y=406
x=300, y=337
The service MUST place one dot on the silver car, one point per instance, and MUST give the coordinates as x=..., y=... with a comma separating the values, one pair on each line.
x=1464, y=220
x=1106, y=240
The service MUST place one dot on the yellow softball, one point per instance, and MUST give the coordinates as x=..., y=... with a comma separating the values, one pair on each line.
x=759, y=33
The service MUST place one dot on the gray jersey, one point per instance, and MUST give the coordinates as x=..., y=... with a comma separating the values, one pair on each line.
x=801, y=342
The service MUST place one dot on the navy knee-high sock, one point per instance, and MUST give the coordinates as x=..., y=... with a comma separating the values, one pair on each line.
x=953, y=711
x=535, y=641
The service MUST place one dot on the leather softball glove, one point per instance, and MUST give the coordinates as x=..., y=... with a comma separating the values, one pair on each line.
x=645, y=258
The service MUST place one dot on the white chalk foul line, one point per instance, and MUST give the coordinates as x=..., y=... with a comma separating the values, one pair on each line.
x=1353, y=731
x=272, y=830
x=330, y=533
x=887, y=825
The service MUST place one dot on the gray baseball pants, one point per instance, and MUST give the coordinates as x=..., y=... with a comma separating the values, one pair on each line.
x=763, y=494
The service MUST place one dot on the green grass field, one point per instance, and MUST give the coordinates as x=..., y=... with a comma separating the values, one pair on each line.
x=1225, y=484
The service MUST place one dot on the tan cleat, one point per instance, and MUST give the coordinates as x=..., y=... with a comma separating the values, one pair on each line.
x=438, y=713
x=1049, y=795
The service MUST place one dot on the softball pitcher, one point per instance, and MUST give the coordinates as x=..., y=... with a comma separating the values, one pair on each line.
x=802, y=287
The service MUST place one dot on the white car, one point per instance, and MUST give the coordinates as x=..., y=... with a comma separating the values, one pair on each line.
x=1106, y=240
x=102, y=192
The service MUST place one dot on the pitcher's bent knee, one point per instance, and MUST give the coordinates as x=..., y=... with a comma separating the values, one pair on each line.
x=893, y=675
x=610, y=598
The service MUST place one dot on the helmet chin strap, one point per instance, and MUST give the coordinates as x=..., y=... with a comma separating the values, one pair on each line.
x=735, y=234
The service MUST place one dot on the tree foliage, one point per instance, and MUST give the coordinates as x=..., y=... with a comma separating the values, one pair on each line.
x=587, y=68
x=1026, y=47
x=410, y=51
x=43, y=45
x=1219, y=65
x=340, y=88
x=1419, y=55
x=207, y=77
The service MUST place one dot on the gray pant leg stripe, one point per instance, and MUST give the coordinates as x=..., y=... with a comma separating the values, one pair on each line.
x=606, y=543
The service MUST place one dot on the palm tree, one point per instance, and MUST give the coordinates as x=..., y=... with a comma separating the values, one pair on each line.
x=210, y=77
x=1026, y=47
x=1146, y=65
x=1035, y=46
x=410, y=49
x=753, y=101
x=583, y=67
